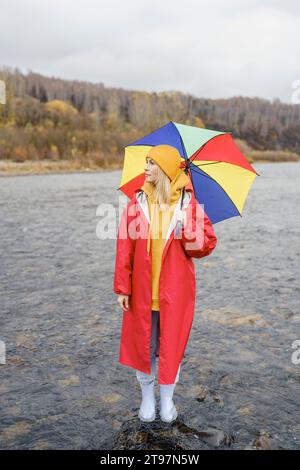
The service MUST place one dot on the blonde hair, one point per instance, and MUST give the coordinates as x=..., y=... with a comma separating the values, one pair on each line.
x=162, y=189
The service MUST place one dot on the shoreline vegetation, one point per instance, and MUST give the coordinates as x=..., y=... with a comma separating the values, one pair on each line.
x=51, y=125
x=41, y=167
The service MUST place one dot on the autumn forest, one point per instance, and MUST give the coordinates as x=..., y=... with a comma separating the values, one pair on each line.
x=87, y=124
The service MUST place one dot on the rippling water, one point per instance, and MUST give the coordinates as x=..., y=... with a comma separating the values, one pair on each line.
x=62, y=385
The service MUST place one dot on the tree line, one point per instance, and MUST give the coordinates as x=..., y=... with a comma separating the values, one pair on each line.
x=52, y=118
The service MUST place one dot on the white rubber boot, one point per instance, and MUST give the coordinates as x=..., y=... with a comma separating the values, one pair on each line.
x=147, y=408
x=168, y=412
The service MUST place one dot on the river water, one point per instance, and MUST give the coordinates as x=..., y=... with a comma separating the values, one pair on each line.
x=62, y=386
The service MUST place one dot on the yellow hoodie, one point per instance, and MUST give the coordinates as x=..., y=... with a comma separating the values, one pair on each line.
x=159, y=223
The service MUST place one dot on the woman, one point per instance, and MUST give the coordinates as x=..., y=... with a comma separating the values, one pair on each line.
x=154, y=276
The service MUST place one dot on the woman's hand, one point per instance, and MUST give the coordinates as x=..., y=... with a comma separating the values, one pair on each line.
x=123, y=301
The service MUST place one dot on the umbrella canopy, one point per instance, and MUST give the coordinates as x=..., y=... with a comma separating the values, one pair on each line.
x=219, y=171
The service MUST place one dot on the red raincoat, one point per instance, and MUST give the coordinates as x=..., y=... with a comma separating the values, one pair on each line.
x=177, y=284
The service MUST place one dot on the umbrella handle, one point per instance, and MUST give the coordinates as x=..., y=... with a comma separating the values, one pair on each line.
x=182, y=196
x=178, y=224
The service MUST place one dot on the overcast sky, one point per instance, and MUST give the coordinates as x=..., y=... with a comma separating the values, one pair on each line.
x=213, y=49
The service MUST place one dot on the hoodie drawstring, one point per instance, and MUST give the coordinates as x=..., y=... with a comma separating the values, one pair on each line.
x=150, y=226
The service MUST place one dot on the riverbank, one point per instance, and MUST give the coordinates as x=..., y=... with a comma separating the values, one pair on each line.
x=38, y=167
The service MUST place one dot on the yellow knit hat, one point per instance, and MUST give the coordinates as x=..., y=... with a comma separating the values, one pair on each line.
x=167, y=157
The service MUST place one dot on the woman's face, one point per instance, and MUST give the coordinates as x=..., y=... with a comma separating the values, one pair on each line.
x=151, y=170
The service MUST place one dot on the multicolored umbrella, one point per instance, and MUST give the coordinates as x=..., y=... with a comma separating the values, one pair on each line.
x=219, y=171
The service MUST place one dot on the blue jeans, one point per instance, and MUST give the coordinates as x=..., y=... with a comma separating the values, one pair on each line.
x=146, y=379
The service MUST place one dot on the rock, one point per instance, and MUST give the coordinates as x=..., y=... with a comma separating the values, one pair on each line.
x=111, y=397
x=199, y=392
x=245, y=410
x=229, y=318
x=71, y=380
x=160, y=436
x=215, y=437
x=226, y=380
x=15, y=430
x=41, y=445
x=263, y=441
x=25, y=342
x=218, y=399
